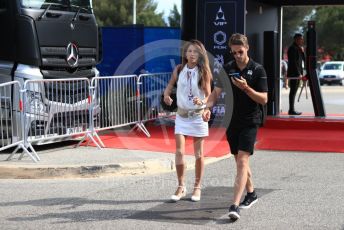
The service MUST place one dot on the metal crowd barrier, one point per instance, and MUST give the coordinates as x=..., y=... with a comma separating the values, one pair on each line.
x=151, y=87
x=12, y=121
x=56, y=108
x=60, y=109
x=116, y=98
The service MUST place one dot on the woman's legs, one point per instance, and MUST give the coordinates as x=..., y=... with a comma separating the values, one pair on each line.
x=199, y=164
x=179, y=159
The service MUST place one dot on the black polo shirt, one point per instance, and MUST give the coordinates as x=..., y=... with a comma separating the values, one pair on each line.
x=245, y=110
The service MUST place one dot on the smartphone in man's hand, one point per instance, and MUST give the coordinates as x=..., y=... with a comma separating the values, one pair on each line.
x=235, y=75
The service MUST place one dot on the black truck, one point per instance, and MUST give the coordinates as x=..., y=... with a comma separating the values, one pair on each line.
x=47, y=39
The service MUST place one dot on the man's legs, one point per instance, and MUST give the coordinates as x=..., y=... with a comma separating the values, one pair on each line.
x=242, y=138
x=249, y=184
x=251, y=196
x=294, y=85
x=241, y=181
x=242, y=178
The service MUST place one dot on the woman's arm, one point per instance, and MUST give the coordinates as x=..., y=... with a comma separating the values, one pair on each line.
x=207, y=90
x=167, y=92
x=211, y=100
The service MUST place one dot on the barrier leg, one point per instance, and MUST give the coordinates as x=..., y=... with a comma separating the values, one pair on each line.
x=89, y=136
x=12, y=154
x=142, y=127
x=33, y=155
x=99, y=140
x=28, y=153
x=82, y=140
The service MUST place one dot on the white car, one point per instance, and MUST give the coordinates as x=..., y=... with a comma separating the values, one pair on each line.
x=332, y=73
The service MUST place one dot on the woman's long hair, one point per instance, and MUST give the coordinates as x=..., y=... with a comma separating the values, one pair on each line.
x=202, y=63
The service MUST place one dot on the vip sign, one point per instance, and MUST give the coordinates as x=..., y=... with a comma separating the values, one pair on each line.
x=220, y=19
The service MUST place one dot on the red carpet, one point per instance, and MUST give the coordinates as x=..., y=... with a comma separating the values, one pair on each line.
x=162, y=140
x=302, y=134
x=288, y=134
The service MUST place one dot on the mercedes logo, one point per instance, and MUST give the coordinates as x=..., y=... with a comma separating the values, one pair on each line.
x=72, y=55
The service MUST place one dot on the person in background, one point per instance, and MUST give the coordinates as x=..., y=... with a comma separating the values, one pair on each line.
x=249, y=85
x=284, y=69
x=193, y=79
x=296, y=59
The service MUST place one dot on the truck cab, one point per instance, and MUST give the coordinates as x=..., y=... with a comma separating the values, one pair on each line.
x=48, y=39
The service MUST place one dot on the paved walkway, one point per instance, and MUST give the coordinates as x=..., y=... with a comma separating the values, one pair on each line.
x=297, y=190
x=63, y=160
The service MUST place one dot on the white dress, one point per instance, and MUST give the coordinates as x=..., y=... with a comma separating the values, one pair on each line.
x=187, y=89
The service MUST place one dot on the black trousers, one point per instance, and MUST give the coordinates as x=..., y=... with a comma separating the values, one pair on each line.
x=293, y=85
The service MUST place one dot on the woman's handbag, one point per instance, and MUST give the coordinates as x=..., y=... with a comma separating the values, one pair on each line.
x=173, y=106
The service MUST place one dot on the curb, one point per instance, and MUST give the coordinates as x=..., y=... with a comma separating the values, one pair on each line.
x=92, y=171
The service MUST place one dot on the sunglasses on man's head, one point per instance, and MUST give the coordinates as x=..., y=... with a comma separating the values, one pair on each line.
x=238, y=52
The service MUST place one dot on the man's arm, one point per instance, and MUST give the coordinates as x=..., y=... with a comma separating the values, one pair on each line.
x=259, y=97
x=259, y=92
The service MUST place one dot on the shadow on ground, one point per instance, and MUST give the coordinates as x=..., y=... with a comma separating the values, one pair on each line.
x=212, y=207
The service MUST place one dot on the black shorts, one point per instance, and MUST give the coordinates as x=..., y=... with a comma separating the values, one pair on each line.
x=242, y=138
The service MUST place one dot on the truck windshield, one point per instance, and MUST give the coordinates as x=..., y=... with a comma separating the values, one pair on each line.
x=84, y=6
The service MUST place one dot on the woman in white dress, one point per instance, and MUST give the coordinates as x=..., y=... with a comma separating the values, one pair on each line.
x=193, y=79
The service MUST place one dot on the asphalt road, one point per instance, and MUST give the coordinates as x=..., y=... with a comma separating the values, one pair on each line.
x=296, y=191
x=333, y=98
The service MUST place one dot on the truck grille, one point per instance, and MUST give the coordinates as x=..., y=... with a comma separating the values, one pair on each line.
x=56, y=57
x=55, y=66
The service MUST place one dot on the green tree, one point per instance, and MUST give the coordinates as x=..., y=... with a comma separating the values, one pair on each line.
x=120, y=12
x=330, y=29
x=174, y=17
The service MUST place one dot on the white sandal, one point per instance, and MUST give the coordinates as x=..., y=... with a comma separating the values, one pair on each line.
x=181, y=195
x=196, y=198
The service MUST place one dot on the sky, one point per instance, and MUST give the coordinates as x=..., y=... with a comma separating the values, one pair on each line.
x=167, y=5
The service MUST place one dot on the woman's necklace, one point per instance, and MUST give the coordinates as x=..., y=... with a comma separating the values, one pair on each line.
x=190, y=73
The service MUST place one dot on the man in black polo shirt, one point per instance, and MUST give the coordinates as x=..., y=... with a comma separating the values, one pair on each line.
x=249, y=86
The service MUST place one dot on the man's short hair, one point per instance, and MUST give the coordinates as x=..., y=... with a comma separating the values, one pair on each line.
x=298, y=35
x=238, y=39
